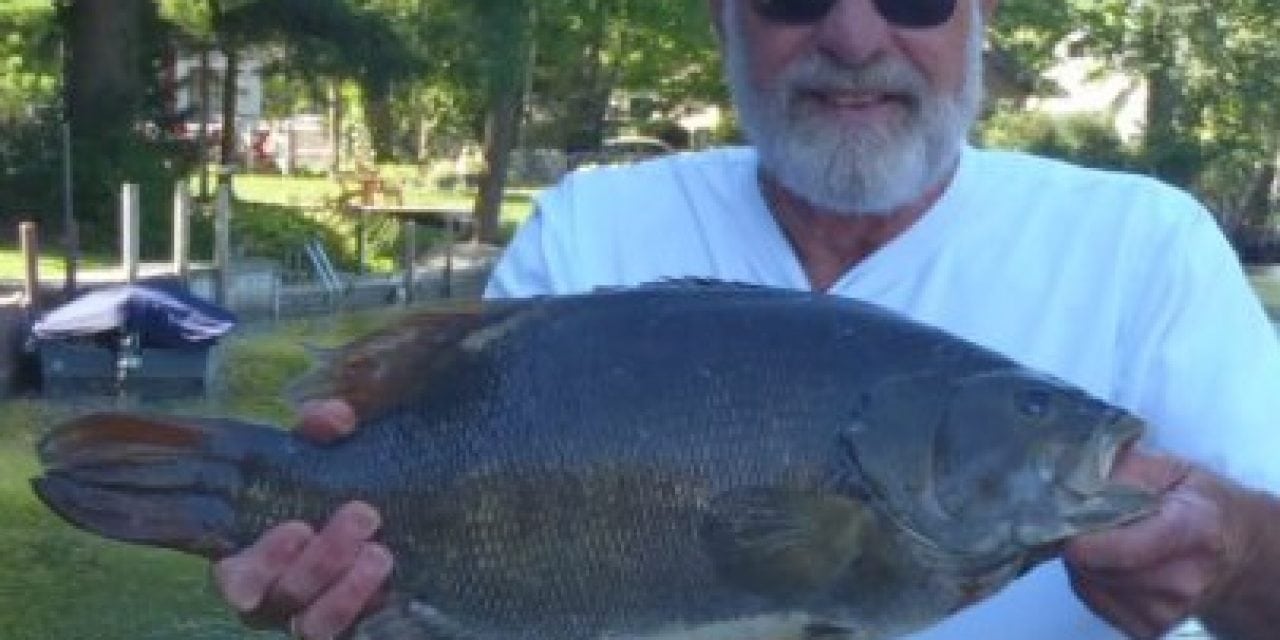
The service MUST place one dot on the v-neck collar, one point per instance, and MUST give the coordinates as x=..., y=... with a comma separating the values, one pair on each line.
x=913, y=247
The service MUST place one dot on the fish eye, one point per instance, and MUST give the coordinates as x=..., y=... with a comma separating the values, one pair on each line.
x=1034, y=403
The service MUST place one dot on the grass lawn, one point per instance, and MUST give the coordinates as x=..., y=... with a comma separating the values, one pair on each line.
x=313, y=191
x=12, y=264
x=59, y=583
x=276, y=213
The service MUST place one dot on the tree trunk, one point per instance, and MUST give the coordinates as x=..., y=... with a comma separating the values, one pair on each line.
x=502, y=129
x=1161, y=143
x=230, y=93
x=1256, y=209
x=589, y=102
x=507, y=27
x=205, y=92
x=104, y=70
x=104, y=91
x=377, y=111
x=1172, y=156
x=335, y=127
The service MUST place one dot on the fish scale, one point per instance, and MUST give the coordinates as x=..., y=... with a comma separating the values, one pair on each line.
x=687, y=456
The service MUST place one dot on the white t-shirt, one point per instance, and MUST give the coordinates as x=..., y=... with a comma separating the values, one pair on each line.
x=1114, y=282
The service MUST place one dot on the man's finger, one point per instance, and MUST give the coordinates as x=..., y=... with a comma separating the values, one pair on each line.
x=1146, y=470
x=326, y=558
x=338, y=609
x=245, y=578
x=1186, y=525
x=1104, y=604
x=326, y=420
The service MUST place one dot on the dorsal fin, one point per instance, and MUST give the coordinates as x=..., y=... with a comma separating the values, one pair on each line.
x=376, y=372
x=688, y=284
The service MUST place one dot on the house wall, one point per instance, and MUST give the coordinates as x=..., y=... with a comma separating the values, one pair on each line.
x=1089, y=85
x=185, y=73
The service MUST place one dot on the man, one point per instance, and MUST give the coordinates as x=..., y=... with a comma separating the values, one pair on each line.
x=860, y=183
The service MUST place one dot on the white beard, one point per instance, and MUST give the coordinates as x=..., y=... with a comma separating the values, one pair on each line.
x=853, y=170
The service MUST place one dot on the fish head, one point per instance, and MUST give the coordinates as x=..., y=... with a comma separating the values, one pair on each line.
x=986, y=469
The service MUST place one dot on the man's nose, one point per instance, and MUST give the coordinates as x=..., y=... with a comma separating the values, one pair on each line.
x=853, y=31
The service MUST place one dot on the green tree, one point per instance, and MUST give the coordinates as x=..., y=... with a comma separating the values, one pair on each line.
x=29, y=57
x=114, y=103
x=590, y=50
x=1209, y=71
x=504, y=34
x=30, y=79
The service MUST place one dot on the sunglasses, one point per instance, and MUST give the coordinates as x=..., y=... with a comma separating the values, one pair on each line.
x=910, y=14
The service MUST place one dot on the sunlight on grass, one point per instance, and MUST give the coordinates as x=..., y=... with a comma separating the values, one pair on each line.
x=52, y=265
x=321, y=192
x=308, y=199
x=56, y=582
x=276, y=214
x=292, y=190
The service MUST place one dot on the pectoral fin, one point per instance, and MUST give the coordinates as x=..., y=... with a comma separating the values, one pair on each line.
x=783, y=543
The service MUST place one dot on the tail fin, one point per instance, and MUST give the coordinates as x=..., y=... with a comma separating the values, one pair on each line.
x=161, y=481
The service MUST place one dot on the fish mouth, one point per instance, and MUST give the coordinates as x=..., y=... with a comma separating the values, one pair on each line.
x=1101, y=451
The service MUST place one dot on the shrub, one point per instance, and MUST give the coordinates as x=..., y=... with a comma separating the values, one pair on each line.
x=1256, y=245
x=278, y=231
x=31, y=182
x=30, y=173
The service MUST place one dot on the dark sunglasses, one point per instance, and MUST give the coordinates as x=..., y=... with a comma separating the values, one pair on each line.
x=910, y=14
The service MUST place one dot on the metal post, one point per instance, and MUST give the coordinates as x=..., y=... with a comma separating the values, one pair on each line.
x=130, y=231
x=71, y=236
x=222, y=244
x=30, y=240
x=450, y=236
x=182, y=206
x=290, y=149
x=409, y=233
x=361, y=212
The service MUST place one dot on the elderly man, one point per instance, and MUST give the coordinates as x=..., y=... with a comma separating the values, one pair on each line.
x=860, y=183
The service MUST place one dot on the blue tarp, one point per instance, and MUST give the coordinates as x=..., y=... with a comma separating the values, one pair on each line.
x=160, y=314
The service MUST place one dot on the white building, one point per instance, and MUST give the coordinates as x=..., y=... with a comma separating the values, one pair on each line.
x=184, y=75
x=1089, y=85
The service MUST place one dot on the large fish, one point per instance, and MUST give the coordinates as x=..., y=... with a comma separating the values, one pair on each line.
x=665, y=459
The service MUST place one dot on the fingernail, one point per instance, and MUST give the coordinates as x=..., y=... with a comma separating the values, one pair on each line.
x=234, y=579
x=364, y=518
x=338, y=413
x=375, y=560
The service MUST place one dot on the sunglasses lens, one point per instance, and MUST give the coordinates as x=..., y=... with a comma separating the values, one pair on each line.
x=793, y=12
x=916, y=14
x=911, y=14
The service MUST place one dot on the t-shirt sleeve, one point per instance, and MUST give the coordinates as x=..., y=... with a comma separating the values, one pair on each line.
x=1204, y=360
x=523, y=271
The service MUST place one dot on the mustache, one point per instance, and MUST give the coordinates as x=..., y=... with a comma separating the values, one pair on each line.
x=819, y=73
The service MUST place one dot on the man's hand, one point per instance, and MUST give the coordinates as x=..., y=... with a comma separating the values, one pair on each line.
x=1184, y=560
x=326, y=420
x=315, y=583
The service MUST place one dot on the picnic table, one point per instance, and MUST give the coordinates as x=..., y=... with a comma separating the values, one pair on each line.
x=454, y=221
